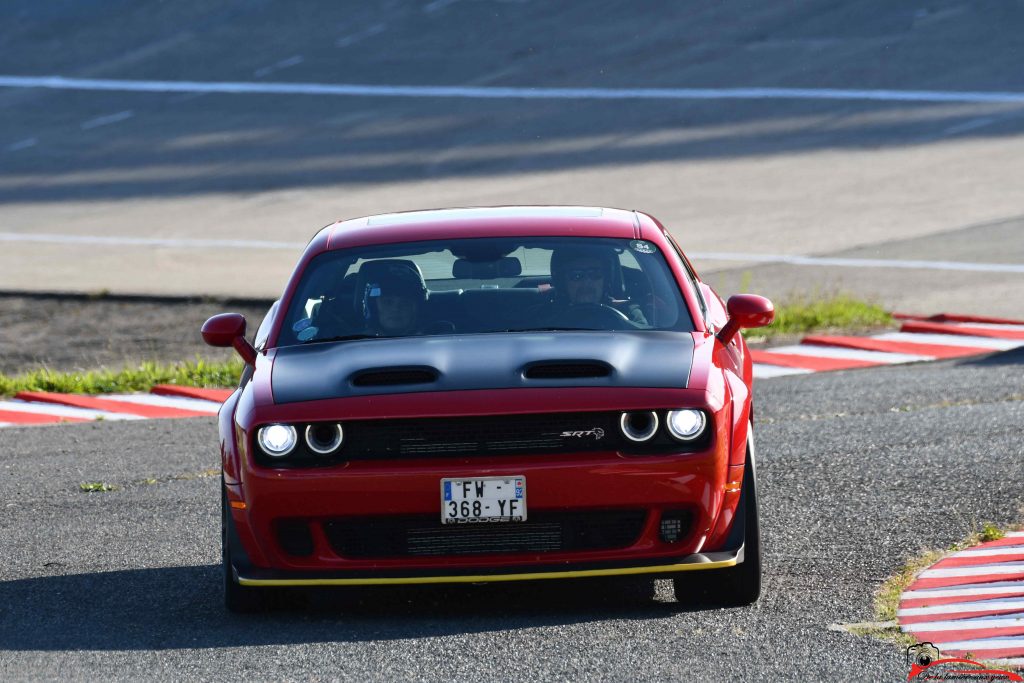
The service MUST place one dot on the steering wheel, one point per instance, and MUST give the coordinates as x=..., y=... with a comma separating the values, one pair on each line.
x=596, y=316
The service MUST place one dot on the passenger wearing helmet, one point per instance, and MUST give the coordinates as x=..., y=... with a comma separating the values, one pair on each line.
x=390, y=295
x=589, y=277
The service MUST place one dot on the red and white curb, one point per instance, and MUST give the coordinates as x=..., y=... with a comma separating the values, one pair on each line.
x=971, y=602
x=919, y=339
x=164, y=401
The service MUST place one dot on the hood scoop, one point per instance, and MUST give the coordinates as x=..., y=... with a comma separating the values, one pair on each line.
x=389, y=377
x=567, y=370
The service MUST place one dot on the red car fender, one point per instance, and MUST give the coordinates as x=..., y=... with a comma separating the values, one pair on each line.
x=230, y=463
x=739, y=399
x=740, y=396
x=731, y=494
x=262, y=389
x=232, y=443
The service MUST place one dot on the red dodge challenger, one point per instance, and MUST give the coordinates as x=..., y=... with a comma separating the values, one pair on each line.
x=494, y=394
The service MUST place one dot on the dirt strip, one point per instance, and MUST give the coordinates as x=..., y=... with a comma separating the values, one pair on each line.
x=74, y=332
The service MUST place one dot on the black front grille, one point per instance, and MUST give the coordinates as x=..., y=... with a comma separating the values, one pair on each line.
x=380, y=537
x=493, y=435
x=546, y=433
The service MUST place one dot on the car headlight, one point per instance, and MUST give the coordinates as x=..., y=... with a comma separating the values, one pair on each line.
x=639, y=426
x=277, y=440
x=324, y=438
x=686, y=424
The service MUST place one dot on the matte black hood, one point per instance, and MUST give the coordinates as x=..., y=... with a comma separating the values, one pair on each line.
x=485, y=361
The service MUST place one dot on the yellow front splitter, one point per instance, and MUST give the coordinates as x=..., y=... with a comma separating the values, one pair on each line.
x=492, y=578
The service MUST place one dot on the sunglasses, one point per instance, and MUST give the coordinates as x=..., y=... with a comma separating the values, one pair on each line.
x=585, y=273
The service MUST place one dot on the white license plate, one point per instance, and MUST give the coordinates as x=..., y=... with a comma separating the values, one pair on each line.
x=483, y=499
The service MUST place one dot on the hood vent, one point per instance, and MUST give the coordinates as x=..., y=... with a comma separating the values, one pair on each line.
x=567, y=370
x=386, y=377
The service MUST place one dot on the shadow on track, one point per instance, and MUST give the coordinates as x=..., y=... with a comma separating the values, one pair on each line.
x=281, y=155
x=1011, y=357
x=181, y=607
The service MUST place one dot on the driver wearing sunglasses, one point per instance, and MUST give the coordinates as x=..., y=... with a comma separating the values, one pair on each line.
x=584, y=282
x=584, y=279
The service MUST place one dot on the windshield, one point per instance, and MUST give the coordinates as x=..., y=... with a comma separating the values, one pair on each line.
x=485, y=285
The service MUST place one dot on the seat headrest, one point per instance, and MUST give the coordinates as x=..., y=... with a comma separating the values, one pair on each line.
x=398, y=276
x=507, y=266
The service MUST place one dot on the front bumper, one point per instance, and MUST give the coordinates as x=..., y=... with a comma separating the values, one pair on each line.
x=579, y=485
x=251, y=576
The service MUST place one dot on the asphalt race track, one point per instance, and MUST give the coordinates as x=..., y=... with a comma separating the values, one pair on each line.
x=860, y=470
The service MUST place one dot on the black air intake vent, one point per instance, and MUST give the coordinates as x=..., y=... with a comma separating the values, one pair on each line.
x=543, y=532
x=567, y=370
x=386, y=377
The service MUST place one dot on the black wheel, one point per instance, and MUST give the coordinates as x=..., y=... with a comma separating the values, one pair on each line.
x=237, y=598
x=738, y=585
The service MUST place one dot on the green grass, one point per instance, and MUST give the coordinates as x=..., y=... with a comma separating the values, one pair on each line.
x=198, y=373
x=96, y=487
x=803, y=314
x=990, y=532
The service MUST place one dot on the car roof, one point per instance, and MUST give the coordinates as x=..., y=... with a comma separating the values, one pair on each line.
x=499, y=221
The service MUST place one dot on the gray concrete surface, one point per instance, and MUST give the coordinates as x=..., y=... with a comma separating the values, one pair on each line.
x=859, y=472
x=819, y=178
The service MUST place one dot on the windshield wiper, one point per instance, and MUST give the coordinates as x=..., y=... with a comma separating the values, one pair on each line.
x=347, y=337
x=554, y=329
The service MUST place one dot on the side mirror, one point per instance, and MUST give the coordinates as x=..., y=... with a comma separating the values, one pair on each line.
x=746, y=310
x=228, y=329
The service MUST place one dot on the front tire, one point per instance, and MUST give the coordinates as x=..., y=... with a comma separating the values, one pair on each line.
x=738, y=585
